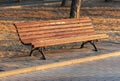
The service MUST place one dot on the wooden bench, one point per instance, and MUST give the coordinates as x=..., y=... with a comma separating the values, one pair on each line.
x=55, y=32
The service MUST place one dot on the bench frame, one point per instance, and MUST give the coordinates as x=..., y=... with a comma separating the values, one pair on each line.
x=42, y=49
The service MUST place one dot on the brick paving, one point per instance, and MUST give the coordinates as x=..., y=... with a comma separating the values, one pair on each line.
x=101, y=70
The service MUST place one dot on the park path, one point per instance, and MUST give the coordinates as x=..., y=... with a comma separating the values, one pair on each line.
x=101, y=70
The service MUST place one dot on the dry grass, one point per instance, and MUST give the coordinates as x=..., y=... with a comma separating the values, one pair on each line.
x=105, y=16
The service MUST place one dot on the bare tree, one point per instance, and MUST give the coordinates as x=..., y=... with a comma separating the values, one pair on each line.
x=64, y=2
x=75, y=9
x=16, y=1
x=108, y=0
x=19, y=0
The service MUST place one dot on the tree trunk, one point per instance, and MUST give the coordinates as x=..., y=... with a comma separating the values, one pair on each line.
x=64, y=2
x=75, y=9
x=19, y=0
x=108, y=0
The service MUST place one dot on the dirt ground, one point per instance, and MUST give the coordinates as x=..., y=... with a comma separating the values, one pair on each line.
x=105, y=18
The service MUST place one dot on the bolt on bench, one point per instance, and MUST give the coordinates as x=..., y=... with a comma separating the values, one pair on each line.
x=54, y=32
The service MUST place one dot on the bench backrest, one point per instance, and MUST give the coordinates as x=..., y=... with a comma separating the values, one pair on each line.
x=54, y=29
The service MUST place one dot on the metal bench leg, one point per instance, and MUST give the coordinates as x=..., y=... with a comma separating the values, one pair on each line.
x=32, y=50
x=92, y=43
x=82, y=45
x=41, y=51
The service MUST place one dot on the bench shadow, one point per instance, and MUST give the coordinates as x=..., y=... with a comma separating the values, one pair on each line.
x=14, y=48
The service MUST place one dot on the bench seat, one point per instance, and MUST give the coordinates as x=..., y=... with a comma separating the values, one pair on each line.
x=50, y=42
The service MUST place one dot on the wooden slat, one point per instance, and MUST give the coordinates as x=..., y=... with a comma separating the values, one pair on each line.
x=28, y=40
x=38, y=32
x=49, y=21
x=54, y=27
x=42, y=43
x=62, y=33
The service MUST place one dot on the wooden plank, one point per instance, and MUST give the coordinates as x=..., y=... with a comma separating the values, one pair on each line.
x=57, y=34
x=42, y=43
x=50, y=23
x=29, y=40
x=26, y=24
x=38, y=32
x=54, y=27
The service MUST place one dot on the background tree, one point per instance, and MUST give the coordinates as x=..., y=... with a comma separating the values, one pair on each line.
x=64, y=2
x=19, y=0
x=107, y=0
x=75, y=9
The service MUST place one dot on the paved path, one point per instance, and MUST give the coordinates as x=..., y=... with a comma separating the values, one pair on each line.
x=101, y=70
